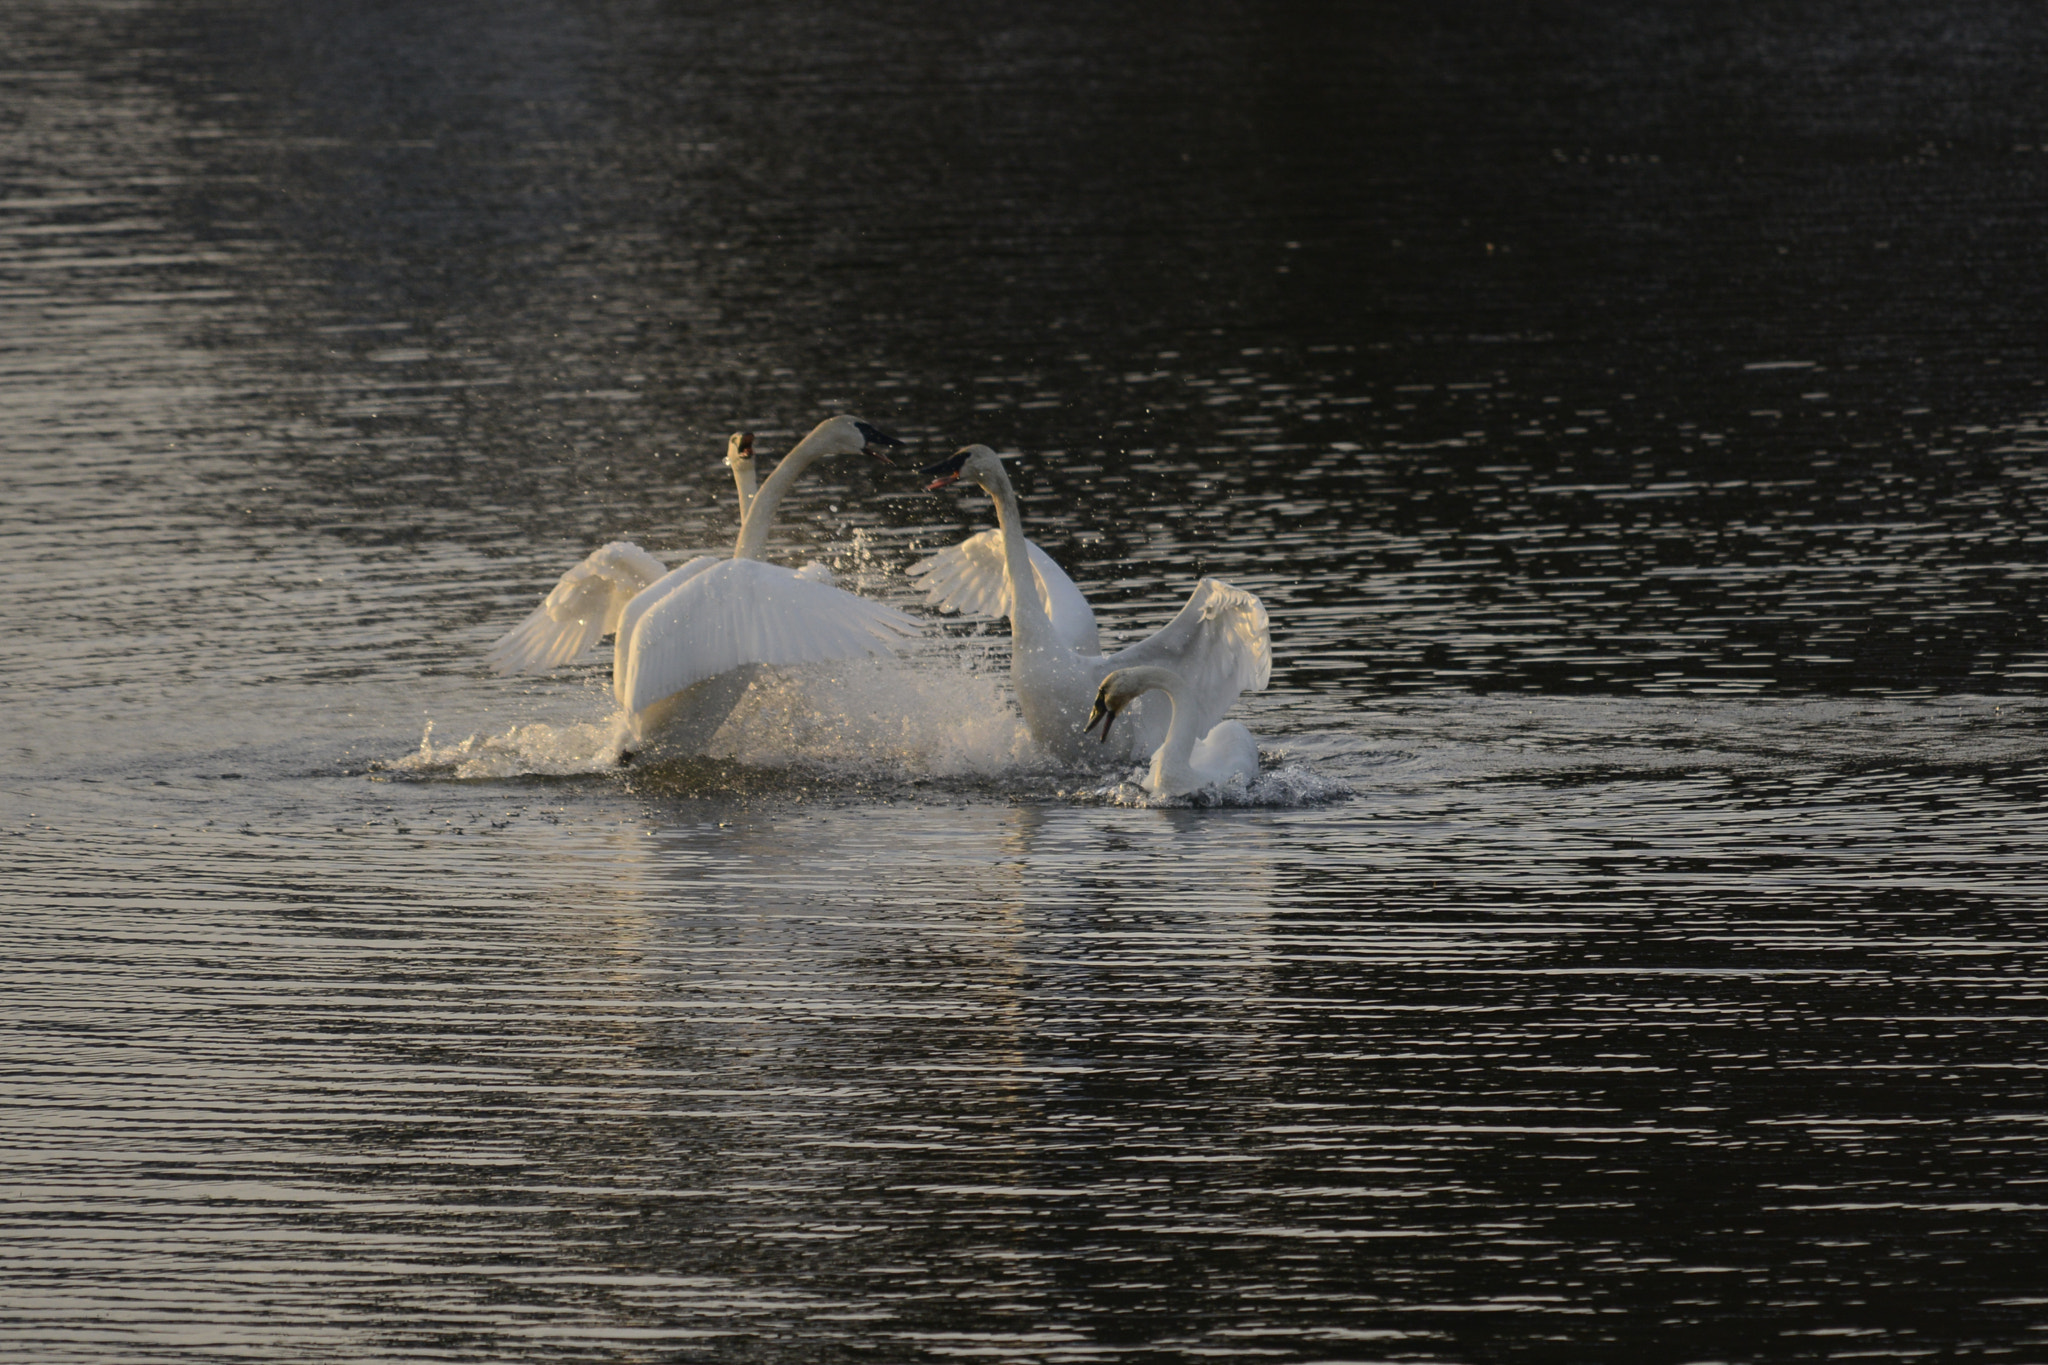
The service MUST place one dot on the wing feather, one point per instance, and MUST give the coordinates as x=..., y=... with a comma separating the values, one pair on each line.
x=656, y=591
x=1221, y=644
x=971, y=577
x=746, y=611
x=583, y=607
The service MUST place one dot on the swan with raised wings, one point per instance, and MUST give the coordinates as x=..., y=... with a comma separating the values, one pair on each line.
x=1182, y=763
x=1219, y=644
x=690, y=639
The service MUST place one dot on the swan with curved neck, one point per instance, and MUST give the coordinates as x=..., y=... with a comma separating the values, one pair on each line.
x=1219, y=644
x=833, y=436
x=1183, y=762
x=689, y=640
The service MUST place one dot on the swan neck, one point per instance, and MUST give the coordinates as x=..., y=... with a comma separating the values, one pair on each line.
x=1178, y=747
x=1027, y=613
x=743, y=477
x=760, y=513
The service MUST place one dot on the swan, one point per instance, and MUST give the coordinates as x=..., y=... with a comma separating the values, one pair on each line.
x=1220, y=643
x=1181, y=763
x=689, y=640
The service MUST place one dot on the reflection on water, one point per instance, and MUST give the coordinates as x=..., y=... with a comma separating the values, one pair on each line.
x=1742, y=1036
x=1644, y=486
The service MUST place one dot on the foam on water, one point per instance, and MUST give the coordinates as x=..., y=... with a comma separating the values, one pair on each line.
x=853, y=722
x=1290, y=784
x=536, y=750
x=858, y=719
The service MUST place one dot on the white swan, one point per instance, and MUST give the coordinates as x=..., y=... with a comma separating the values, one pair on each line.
x=689, y=640
x=1181, y=763
x=1219, y=644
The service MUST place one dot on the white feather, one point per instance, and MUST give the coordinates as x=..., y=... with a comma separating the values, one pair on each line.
x=969, y=577
x=1220, y=644
x=744, y=611
x=584, y=606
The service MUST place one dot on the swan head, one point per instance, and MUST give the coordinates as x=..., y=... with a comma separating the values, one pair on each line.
x=739, y=450
x=843, y=435
x=1123, y=687
x=976, y=462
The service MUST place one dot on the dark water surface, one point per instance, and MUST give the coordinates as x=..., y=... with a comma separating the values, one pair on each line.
x=1634, y=420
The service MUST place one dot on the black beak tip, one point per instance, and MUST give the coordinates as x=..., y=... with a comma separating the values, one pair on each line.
x=875, y=436
x=948, y=467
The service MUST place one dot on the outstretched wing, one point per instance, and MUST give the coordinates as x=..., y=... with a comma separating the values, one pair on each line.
x=970, y=577
x=1221, y=645
x=583, y=607
x=745, y=611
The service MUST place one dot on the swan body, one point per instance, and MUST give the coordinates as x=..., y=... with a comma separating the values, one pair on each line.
x=1182, y=763
x=1219, y=645
x=688, y=640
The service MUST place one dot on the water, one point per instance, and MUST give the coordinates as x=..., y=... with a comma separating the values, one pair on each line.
x=1632, y=423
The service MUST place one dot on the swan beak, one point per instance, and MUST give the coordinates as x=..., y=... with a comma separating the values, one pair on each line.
x=876, y=441
x=1102, y=713
x=945, y=471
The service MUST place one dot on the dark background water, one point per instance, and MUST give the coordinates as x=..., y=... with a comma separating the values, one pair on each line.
x=1631, y=416
x=1639, y=346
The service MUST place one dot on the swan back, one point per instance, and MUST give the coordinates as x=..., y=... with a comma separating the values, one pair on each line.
x=741, y=611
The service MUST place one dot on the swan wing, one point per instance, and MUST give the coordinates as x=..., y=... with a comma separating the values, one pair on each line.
x=816, y=572
x=581, y=609
x=655, y=592
x=746, y=611
x=1220, y=644
x=971, y=577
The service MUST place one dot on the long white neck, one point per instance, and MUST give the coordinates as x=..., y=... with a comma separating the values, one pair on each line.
x=1172, y=766
x=743, y=476
x=760, y=513
x=1029, y=626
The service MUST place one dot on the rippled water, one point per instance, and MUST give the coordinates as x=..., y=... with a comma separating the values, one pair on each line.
x=1632, y=423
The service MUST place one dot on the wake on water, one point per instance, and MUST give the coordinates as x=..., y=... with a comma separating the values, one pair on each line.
x=899, y=720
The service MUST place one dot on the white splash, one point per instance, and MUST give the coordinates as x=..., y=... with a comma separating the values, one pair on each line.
x=537, y=750
x=880, y=716
x=862, y=718
x=1290, y=784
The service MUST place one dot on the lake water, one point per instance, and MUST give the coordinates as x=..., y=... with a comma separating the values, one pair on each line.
x=1634, y=423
